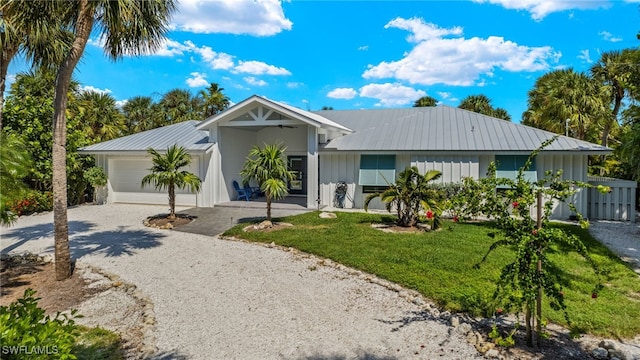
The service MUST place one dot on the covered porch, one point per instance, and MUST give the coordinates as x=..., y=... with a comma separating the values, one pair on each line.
x=255, y=122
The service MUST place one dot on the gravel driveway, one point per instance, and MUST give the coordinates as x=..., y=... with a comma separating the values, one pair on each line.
x=218, y=299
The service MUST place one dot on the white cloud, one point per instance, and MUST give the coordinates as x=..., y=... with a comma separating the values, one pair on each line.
x=89, y=88
x=197, y=80
x=391, y=94
x=443, y=56
x=539, y=9
x=255, y=82
x=342, y=93
x=170, y=48
x=444, y=95
x=259, y=68
x=294, y=85
x=584, y=55
x=363, y=48
x=11, y=78
x=257, y=17
x=121, y=103
x=607, y=36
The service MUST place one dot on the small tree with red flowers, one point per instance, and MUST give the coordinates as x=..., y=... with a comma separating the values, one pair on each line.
x=531, y=275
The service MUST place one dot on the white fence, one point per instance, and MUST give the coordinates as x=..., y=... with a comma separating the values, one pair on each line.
x=619, y=204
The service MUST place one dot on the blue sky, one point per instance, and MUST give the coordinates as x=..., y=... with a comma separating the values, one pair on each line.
x=367, y=54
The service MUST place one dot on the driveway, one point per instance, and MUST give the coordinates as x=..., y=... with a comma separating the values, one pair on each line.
x=219, y=299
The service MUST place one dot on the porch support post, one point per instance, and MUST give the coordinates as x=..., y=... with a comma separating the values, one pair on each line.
x=312, y=167
x=215, y=170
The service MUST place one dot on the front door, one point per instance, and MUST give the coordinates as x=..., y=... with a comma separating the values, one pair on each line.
x=298, y=164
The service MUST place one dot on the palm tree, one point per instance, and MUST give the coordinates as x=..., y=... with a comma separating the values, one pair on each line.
x=127, y=27
x=410, y=195
x=213, y=100
x=166, y=174
x=99, y=116
x=615, y=70
x=31, y=28
x=501, y=113
x=178, y=105
x=139, y=114
x=566, y=94
x=268, y=167
x=426, y=101
x=14, y=165
x=477, y=103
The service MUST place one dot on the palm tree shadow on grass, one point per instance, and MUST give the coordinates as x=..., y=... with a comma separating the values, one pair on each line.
x=35, y=232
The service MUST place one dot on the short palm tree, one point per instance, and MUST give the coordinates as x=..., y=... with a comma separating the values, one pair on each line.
x=411, y=195
x=268, y=167
x=166, y=174
x=425, y=101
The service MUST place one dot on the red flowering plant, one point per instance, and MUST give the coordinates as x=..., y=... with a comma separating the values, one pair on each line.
x=413, y=198
x=532, y=274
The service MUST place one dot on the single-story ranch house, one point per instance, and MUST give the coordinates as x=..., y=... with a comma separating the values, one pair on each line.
x=362, y=148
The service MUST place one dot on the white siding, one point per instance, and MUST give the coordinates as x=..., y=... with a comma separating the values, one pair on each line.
x=295, y=139
x=340, y=167
x=453, y=167
x=234, y=147
x=574, y=167
x=125, y=176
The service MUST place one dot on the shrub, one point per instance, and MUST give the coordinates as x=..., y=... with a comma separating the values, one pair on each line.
x=25, y=331
x=31, y=202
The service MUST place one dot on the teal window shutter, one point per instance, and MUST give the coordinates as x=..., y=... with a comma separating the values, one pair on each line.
x=377, y=170
x=507, y=166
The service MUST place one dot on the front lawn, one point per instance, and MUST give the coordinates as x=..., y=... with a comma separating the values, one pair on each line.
x=440, y=265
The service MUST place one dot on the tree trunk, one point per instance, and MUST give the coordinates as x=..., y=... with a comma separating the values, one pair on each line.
x=614, y=114
x=172, y=201
x=59, y=152
x=527, y=321
x=268, y=207
x=7, y=54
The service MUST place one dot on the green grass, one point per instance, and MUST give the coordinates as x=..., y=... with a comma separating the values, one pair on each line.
x=98, y=344
x=440, y=266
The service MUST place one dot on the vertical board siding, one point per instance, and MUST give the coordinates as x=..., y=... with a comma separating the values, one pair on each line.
x=335, y=168
x=619, y=204
x=453, y=167
x=574, y=167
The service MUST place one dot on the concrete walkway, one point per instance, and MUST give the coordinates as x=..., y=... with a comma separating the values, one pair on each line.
x=214, y=221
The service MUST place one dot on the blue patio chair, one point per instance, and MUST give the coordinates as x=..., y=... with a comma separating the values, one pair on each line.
x=254, y=191
x=242, y=193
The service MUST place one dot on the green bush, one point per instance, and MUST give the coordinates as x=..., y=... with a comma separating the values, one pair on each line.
x=31, y=202
x=26, y=333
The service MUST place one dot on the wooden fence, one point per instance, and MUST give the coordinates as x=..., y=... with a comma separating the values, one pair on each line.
x=619, y=204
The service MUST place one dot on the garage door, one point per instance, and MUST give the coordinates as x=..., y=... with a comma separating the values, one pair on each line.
x=125, y=177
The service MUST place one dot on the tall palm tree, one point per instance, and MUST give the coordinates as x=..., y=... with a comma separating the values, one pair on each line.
x=127, y=27
x=178, y=105
x=213, y=100
x=477, y=103
x=566, y=94
x=615, y=70
x=100, y=118
x=410, y=195
x=268, y=167
x=34, y=29
x=139, y=114
x=166, y=174
x=425, y=101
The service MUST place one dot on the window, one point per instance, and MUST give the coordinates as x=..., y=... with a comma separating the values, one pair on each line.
x=377, y=170
x=507, y=166
x=374, y=189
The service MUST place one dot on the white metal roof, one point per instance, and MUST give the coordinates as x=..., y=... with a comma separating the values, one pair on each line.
x=442, y=128
x=183, y=134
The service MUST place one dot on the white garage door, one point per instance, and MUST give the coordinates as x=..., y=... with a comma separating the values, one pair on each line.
x=125, y=177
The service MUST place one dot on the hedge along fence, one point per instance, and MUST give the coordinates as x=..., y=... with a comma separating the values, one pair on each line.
x=619, y=204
